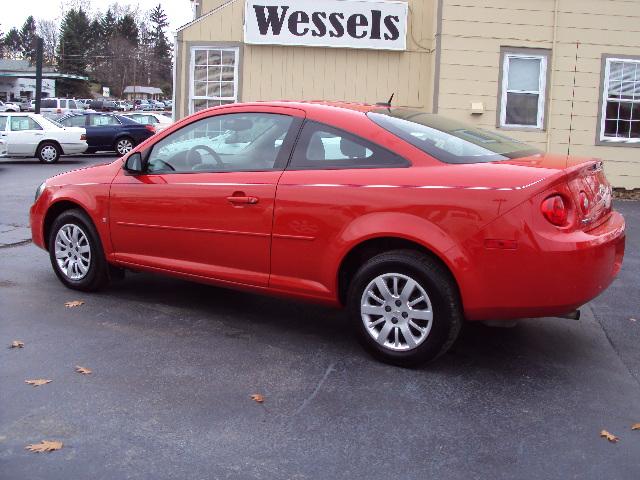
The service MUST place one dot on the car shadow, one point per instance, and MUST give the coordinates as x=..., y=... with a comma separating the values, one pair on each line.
x=534, y=346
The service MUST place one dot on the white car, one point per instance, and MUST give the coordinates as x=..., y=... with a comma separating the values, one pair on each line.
x=159, y=121
x=60, y=106
x=9, y=107
x=32, y=135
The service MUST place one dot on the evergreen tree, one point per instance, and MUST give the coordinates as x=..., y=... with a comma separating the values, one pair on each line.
x=27, y=39
x=13, y=44
x=128, y=30
x=72, y=51
x=161, y=66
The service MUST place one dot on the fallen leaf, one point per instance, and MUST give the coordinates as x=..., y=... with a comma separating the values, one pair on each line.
x=257, y=397
x=17, y=344
x=38, y=382
x=609, y=436
x=75, y=303
x=635, y=426
x=44, y=446
x=83, y=370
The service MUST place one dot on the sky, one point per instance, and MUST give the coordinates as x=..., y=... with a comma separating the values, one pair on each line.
x=178, y=12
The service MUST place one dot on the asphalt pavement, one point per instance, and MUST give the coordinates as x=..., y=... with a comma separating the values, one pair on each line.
x=175, y=364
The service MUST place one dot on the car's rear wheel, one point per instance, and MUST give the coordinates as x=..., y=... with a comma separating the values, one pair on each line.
x=405, y=307
x=48, y=152
x=76, y=252
x=124, y=145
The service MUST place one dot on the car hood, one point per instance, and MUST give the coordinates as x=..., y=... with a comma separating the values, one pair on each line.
x=99, y=173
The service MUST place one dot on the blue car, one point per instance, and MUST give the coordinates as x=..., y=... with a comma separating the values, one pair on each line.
x=109, y=132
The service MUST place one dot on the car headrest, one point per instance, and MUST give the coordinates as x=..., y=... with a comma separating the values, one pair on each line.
x=351, y=149
x=315, y=151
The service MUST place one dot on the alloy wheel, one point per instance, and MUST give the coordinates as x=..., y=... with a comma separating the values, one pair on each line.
x=49, y=153
x=396, y=311
x=73, y=251
x=124, y=146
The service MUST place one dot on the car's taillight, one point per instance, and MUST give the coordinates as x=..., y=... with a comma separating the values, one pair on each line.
x=584, y=203
x=151, y=128
x=83, y=136
x=59, y=110
x=554, y=210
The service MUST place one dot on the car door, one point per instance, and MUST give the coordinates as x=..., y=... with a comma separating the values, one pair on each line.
x=23, y=135
x=3, y=135
x=105, y=131
x=201, y=212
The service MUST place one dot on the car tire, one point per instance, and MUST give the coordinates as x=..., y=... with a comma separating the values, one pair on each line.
x=76, y=252
x=405, y=328
x=124, y=145
x=48, y=152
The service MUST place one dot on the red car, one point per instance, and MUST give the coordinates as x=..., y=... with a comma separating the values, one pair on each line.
x=412, y=221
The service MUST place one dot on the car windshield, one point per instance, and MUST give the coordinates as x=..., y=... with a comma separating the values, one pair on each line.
x=51, y=121
x=448, y=140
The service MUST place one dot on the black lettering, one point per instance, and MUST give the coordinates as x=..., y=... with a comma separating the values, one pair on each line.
x=354, y=22
x=394, y=33
x=376, y=15
x=272, y=19
x=318, y=19
x=335, y=18
x=295, y=19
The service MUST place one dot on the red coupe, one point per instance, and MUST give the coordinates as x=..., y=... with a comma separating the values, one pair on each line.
x=412, y=221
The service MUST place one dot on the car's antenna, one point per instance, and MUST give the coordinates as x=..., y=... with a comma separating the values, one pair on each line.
x=388, y=103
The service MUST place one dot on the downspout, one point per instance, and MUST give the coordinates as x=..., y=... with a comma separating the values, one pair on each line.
x=553, y=72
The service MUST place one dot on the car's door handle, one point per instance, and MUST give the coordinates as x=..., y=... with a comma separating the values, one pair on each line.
x=38, y=134
x=237, y=199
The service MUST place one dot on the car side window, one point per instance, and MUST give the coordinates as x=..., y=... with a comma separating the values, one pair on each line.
x=322, y=147
x=100, y=120
x=19, y=124
x=3, y=124
x=224, y=143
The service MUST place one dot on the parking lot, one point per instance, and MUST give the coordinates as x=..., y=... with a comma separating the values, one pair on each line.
x=175, y=364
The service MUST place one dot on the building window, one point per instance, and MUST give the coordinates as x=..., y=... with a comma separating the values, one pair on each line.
x=524, y=79
x=620, y=120
x=214, y=73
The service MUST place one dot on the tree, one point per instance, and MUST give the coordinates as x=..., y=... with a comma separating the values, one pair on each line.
x=13, y=44
x=127, y=29
x=48, y=30
x=27, y=39
x=161, y=71
x=72, y=54
x=1, y=44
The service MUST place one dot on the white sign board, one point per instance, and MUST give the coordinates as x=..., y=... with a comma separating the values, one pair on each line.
x=106, y=92
x=369, y=24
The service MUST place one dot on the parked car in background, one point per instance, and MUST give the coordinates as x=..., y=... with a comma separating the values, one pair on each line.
x=9, y=107
x=103, y=105
x=25, y=105
x=122, y=106
x=142, y=105
x=49, y=106
x=168, y=104
x=158, y=105
x=32, y=135
x=157, y=120
x=109, y=132
x=412, y=221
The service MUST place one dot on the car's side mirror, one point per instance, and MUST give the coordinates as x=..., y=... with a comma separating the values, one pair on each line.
x=133, y=165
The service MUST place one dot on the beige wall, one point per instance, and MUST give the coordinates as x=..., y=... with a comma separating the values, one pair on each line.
x=309, y=73
x=474, y=32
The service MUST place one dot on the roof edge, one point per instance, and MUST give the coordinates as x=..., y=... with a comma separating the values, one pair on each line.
x=211, y=12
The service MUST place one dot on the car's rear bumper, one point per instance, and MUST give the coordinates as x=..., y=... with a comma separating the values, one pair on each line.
x=545, y=275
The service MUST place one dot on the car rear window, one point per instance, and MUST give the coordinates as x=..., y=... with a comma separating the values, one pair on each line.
x=449, y=140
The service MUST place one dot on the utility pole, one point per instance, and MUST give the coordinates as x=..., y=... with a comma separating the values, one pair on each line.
x=39, y=49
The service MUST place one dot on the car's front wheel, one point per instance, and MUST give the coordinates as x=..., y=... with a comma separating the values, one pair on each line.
x=124, y=145
x=48, y=152
x=76, y=252
x=405, y=307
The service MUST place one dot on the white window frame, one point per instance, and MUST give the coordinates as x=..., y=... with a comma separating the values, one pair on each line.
x=192, y=73
x=605, y=97
x=541, y=92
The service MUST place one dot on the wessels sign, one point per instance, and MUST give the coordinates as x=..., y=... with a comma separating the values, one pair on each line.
x=327, y=23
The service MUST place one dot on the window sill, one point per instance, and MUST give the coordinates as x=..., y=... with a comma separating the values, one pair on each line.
x=618, y=143
x=520, y=128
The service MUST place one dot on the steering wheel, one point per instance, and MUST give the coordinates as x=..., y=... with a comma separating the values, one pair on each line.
x=209, y=150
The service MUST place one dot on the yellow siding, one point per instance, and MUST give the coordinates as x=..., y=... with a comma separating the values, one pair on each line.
x=473, y=33
x=306, y=73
